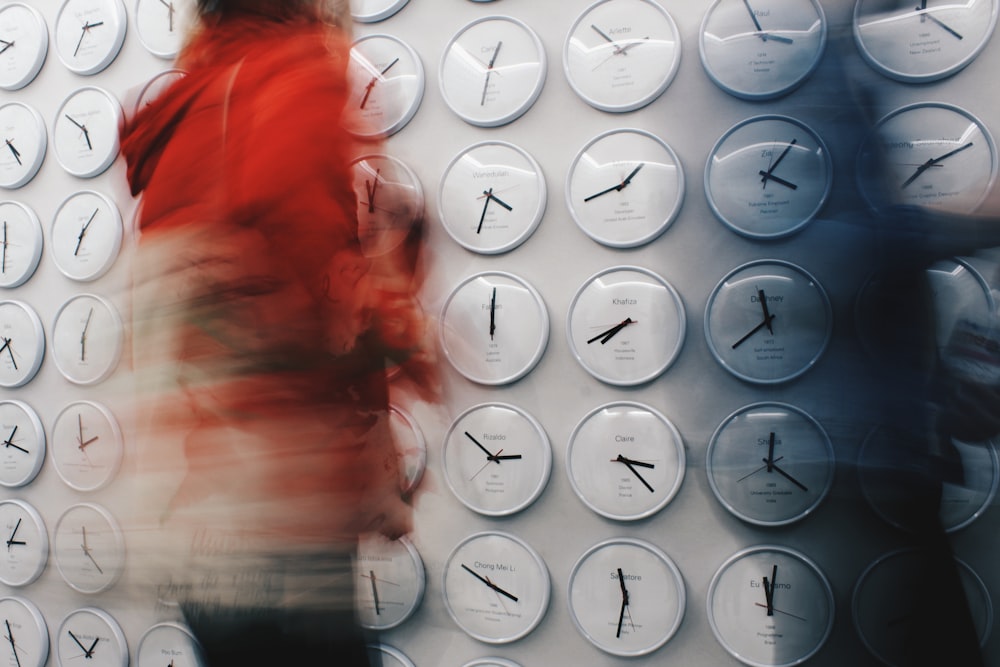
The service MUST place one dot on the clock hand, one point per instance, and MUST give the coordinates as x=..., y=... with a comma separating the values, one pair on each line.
x=784, y=474
x=769, y=591
x=371, y=577
x=489, y=455
x=933, y=162
x=10, y=633
x=624, y=50
x=16, y=153
x=170, y=13
x=768, y=175
x=629, y=464
x=83, y=231
x=924, y=14
x=491, y=195
x=757, y=470
x=10, y=350
x=3, y=262
x=370, y=189
x=11, y=541
x=86, y=551
x=750, y=333
x=763, y=34
x=83, y=336
x=9, y=442
x=374, y=80
x=84, y=29
x=90, y=653
x=617, y=188
x=489, y=583
x=505, y=457
x=6, y=44
x=765, y=176
x=767, y=315
x=769, y=461
x=489, y=70
x=621, y=614
x=86, y=653
x=608, y=334
x=493, y=311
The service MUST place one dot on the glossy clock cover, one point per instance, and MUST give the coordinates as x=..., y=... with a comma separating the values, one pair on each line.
x=85, y=131
x=23, y=150
x=20, y=243
x=31, y=642
x=87, y=339
x=87, y=446
x=411, y=447
x=390, y=202
x=23, y=25
x=23, y=443
x=386, y=78
x=23, y=343
x=89, y=34
x=390, y=581
x=27, y=543
x=89, y=548
x=168, y=640
x=373, y=11
x=162, y=25
x=92, y=634
x=86, y=235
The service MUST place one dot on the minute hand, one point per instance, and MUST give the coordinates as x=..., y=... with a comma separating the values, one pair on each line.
x=933, y=161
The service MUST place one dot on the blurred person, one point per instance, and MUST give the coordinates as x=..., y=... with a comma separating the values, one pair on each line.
x=260, y=339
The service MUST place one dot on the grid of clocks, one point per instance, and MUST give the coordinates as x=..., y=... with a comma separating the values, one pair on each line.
x=766, y=322
x=84, y=443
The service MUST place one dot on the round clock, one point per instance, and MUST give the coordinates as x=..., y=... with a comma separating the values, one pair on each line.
x=768, y=321
x=24, y=140
x=497, y=459
x=770, y=606
x=91, y=634
x=162, y=25
x=27, y=543
x=491, y=662
x=888, y=596
x=922, y=41
x=156, y=86
x=89, y=34
x=626, y=325
x=930, y=154
x=86, y=235
x=492, y=197
x=85, y=132
x=24, y=42
x=621, y=55
x=625, y=187
x=388, y=656
x=768, y=177
x=89, y=548
x=885, y=473
x=386, y=80
x=625, y=460
x=390, y=202
x=390, y=582
x=170, y=643
x=496, y=587
x=22, y=343
x=86, y=445
x=494, y=328
x=27, y=638
x=20, y=243
x=770, y=464
x=87, y=338
x=22, y=451
x=626, y=597
x=762, y=49
x=373, y=11
x=492, y=71
x=411, y=447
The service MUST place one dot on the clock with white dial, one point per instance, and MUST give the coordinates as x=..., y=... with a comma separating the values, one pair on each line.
x=24, y=141
x=389, y=582
x=497, y=459
x=24, y=42
x=22, y=450
x=373, y=11
x=22, y=343
x=27, y=638
x=87, y=338
x=168, y=641
x=492, y=197
x=93, y=635
x=89, y=548
x=89, y=34
x=620, y=55
x=390, y=202
x=85, y=131
x=86, y=445
x=162, y=25
x=386, y=80
x=411, y=447
x=20, y=243
x=23, y=530
x=86, y=235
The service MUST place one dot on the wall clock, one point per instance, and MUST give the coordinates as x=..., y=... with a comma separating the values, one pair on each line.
x=20, y=243
x=373, y=11
x=922, y=41
x=929, y=154
x=768, y=176
x=496, y=587
x=770, y=464
x=170, y=644
x=85, y=132
x=625, y=187
x=24, y=42
x=91, y=634
x=762, y=49
x=768, y=321
x=388, y=656
x=497, y=459
x=386, y=80
x=86, y=235
x=89, y=34
x=22, y=450
x=162, y=25
x=492, y=71
x=24, y=139
x=89, y=548
x=625, y=460
x=390, y=202
x=390, y=582
x=87, y=338
x=626, y=325
x=626, y=597
x=769, y=606
x=411, y=447
x=86, y=445
x=156, y=86
x=22, y=343
x=492, y=197
x=26, y=641
x=23, y=530
x=621, y=55
x=494, y=328
x=888, y=461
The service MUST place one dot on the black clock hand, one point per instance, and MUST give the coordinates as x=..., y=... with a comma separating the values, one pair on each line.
x=10, y=350
x=90, y=653
x=765, y=176
x=9, y=442
x=10, y=633
x=371, y=577
x=493, y=310
x=505, y=457
x=374, y=80
x=489, y=455
x=3, y=262
x=490, y=195
x=773, y=466
x=617, y=188
x=488, y=583
x=370, y=187
x=763, y=34
x=769, y=591
x=6, y=45
x=750, y=333
x=83, y=231
x=84, y=29
x=621, y=614
x=767, y=315
x=170, y=13
x=86, y=551
x=86, y=653
x=11, y=541
x=602, y=34
x=769, y=461
x=933, y=162
x=924, y=14
x=608, y=334
x=630, y=464
x=16, y=153
x=489, y=70
x=757, y=470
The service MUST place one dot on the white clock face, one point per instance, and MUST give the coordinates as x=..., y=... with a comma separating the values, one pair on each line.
x=492, y=71
x=390, y=202
x=620, y=55
x=761, y=49
x=373, y=11
x=23, y=530
x=156, y=86
x=22, y=343
x=89, y=34
x=22, y=451
x=411, y=448
x=86, y=445
x=27, y=637
x=163, y=24
x=625, y=187
x=86, y=235
x=492, y=197
x=626, y=597
x=170, y=644
x=625, y=461
x=24, y=42
x=24, y=140
x=388, y=656
x=85, y=132
x=89, y=549
x=87, y=337
x=20, y=243
x=390, y=581
x=386, y=80
x=91, y=635
x=497, y=459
